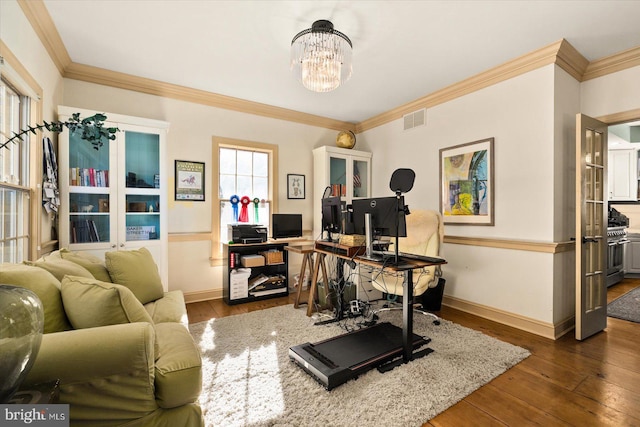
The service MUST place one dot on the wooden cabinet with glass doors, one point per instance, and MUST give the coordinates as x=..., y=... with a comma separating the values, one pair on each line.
x=114, y=197
x=340, y=172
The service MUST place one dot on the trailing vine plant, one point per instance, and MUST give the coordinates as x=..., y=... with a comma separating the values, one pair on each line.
x=92, y=128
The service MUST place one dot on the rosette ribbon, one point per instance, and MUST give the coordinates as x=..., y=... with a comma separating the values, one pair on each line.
x=234, y=204
x=256, y=202
x=244, y=212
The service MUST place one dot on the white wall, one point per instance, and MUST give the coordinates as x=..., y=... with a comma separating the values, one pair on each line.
x=18, y=35
x=190, y=138
x=519, y=114
x=613, y=93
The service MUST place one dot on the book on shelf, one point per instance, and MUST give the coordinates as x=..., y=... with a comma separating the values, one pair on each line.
x=84, y=231
x=88, y=177
x=141, y=232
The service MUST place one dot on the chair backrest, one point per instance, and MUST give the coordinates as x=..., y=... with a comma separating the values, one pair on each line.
x=425, y=234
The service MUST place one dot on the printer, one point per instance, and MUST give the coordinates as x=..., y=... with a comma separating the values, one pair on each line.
x=247, y=233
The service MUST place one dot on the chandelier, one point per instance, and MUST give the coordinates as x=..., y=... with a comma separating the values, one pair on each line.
x=321, y=57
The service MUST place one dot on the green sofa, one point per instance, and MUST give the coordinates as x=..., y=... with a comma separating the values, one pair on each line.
x=122, y=352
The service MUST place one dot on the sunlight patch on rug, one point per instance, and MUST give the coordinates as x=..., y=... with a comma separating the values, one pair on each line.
x=247, y=376
x=248, y=379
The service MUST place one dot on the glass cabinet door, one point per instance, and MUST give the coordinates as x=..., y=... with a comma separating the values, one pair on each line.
x=141, y=175
x=89, y=202
x=360, y=178
x=338, y=176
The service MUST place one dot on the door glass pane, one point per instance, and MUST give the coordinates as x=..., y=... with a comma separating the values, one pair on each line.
x=142, y=159
x=88, y=167
x=88, y=218
x=597, y=147
x=338, y=176
x=360, y=182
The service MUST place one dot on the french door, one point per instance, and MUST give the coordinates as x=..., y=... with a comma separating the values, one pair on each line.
x=591, y=226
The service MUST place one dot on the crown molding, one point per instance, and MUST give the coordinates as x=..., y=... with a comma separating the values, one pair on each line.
x=38, y=15
x=614, y=63
x=561, y=53
x=116, y=79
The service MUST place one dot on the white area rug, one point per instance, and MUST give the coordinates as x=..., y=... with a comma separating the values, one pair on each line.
x=248, y=379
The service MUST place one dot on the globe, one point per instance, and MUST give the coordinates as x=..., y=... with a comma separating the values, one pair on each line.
x=346, y=139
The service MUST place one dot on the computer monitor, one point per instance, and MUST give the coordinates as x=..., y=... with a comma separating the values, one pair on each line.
x=332, y=215
x=286, y=225
x=385, y=211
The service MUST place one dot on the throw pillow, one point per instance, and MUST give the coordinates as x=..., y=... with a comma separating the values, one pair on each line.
x=45, y=285
x=60, y=267
x=90, y=303
x=136, y=270
x=92, y=263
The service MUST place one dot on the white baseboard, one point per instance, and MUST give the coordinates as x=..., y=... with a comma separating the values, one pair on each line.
x=544, y=329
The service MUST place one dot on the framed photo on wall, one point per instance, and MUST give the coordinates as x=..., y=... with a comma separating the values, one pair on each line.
x=189, y=181
x=467, y=183
x=295, y=186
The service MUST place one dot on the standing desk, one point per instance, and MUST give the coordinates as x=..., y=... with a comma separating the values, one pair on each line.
x=405, y=265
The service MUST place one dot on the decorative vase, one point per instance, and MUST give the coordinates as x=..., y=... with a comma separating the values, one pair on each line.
x=21, y=326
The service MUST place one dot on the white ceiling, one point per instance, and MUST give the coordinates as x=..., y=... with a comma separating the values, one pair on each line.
x=402, y=50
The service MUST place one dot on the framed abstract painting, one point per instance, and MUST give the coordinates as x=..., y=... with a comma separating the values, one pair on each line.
x=466, y=183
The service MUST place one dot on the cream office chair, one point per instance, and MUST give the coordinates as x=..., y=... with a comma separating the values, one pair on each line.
x=425, y=233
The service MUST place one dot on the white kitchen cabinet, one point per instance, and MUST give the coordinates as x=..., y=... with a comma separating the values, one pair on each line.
x=115, y=197
x=623, y=174
x=632, y=254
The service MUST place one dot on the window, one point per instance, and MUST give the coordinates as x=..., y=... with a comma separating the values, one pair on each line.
x=245, y=170
x=14, y=177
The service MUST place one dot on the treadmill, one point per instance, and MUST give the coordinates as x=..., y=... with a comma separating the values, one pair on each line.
x=334, y=361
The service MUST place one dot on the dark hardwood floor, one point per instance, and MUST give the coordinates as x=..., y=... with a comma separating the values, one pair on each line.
x=595, y=382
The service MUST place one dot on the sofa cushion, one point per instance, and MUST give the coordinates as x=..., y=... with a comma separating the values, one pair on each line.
x=136, y=270
x=92, y=263
x=170, y=308
x=61, y=267
x=90, y=303
x=43, y=284
x=178, y=366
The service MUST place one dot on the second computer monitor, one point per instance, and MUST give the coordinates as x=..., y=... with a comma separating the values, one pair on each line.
x=332, y=215
x=385, y=211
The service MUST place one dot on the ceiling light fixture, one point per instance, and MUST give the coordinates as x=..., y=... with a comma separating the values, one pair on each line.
x=321, y=57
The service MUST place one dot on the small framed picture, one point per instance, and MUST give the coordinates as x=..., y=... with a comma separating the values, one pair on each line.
x=189, y=181
x=295, y=186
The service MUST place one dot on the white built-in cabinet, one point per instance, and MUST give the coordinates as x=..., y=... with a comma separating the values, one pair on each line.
x=347, y=173
x=623, y=174
x=342, y=172
x=115, y=197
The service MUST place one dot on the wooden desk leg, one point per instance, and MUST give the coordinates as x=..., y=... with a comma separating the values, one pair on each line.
x=313, y=289
x=307, y=259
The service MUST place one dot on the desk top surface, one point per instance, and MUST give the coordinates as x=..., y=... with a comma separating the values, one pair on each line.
x=341, y=251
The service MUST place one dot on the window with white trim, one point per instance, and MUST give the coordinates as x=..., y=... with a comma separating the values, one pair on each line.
x=246, y=171
x=14, y=176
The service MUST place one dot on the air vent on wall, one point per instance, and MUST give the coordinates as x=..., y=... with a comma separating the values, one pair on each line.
x=415, y=119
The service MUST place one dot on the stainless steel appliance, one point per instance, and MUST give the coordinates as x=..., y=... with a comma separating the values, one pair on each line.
x=617, y=242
